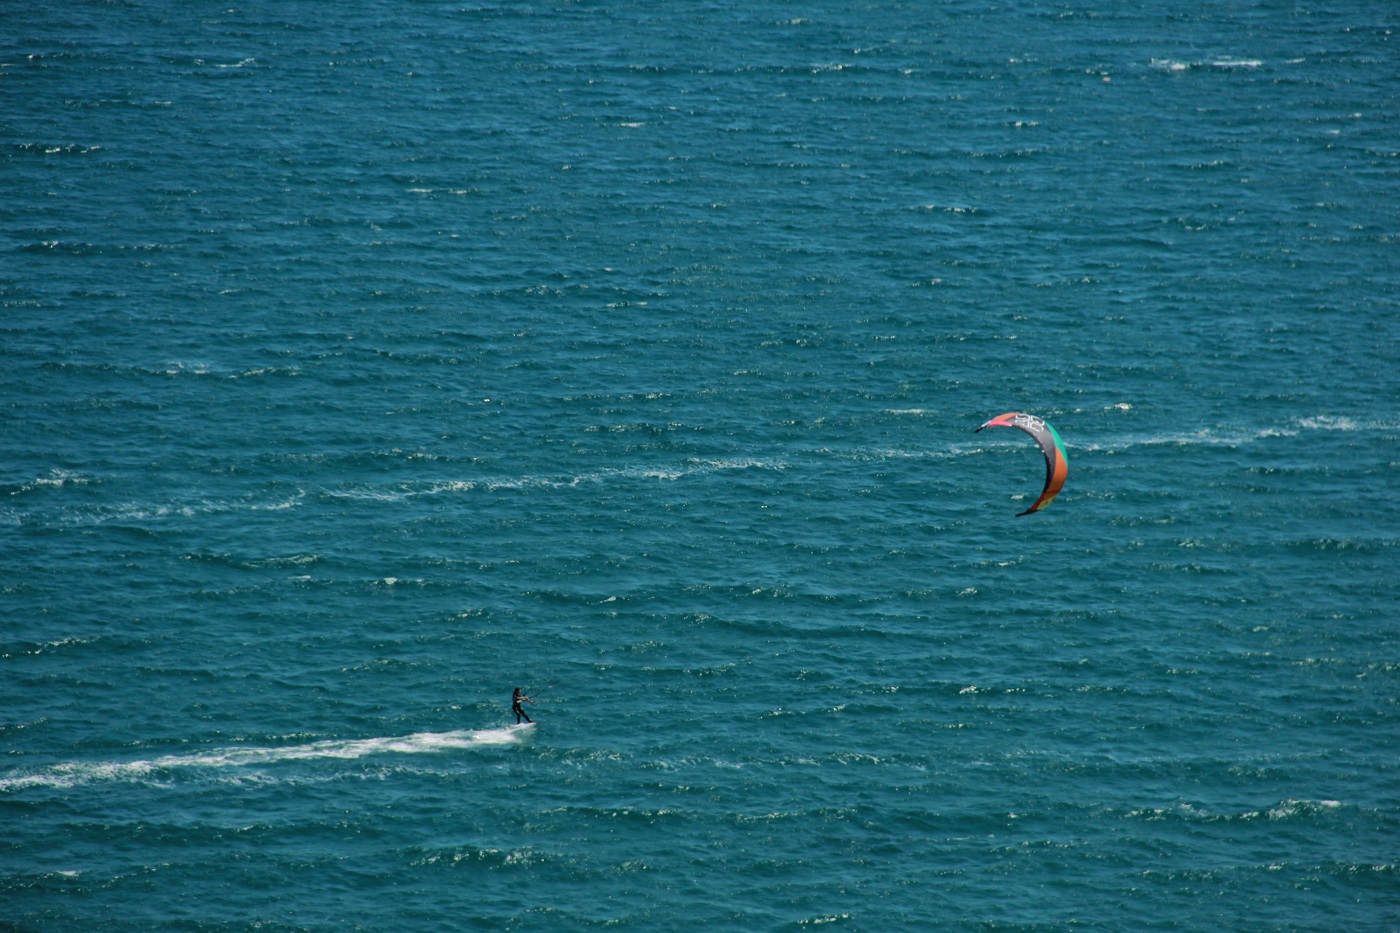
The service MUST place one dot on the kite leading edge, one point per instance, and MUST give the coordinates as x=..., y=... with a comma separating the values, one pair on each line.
x=1056, y=462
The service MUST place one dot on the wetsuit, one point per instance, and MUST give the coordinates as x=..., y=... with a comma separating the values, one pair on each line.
x=515, y=702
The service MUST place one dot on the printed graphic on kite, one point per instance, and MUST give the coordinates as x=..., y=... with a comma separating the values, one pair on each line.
x=1056, y=463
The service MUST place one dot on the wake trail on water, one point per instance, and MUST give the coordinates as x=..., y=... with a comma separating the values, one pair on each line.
x=70, y=774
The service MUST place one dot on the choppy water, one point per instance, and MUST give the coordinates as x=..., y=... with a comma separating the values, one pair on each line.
x=361, y=365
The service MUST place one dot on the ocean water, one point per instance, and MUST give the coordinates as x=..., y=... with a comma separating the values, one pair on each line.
x=363, y=362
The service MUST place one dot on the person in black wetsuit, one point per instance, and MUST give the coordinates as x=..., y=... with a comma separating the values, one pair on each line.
x=516, y=699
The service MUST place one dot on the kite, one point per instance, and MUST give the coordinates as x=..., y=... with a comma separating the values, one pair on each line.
x=1056, y=463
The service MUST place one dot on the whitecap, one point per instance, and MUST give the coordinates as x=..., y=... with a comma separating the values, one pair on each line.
x=1327, y=423
x=742, y=463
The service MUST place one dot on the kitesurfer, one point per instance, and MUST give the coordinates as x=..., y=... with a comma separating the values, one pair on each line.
x=516, y=699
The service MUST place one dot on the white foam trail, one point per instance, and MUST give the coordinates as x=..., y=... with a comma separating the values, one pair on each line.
x=69, y=774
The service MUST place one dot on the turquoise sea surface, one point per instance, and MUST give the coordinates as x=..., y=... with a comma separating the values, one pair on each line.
x=362, y=362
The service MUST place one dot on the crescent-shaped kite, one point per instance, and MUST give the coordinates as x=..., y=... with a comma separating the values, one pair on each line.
x=1056, y=463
